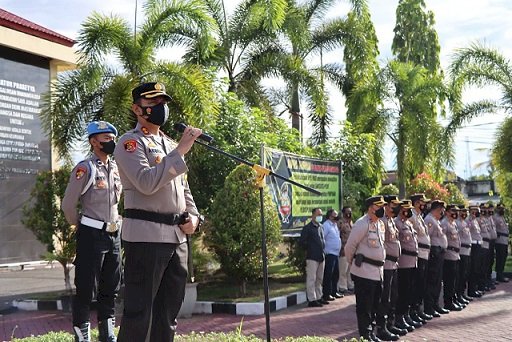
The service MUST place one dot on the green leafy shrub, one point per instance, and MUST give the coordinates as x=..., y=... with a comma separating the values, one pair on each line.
x=455, y=195
x=234, y=229
x=389, y=189
x=424, y=183
x=296, y=255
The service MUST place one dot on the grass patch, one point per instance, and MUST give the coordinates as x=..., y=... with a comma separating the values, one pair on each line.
x=237, y=336
x=283, y=280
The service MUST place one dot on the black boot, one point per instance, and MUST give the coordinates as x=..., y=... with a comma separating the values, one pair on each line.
x=384, y=334
x=402, y=324
x=412, y=322
x=451, y=306
x=425, y=316
x=82, y=332
x=397, y=331
x=106, y=330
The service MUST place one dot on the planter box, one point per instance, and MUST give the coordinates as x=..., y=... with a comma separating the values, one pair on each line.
x=189, y=302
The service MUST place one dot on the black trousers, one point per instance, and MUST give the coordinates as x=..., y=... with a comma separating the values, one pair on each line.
x=419, y=282
x=155, y=279
x=501, y=259
x=464, y=269
x=485, y=266
x=97, y=273
x=405, y=290
x=434, y=278
x=368, y=293
x=492, y=255
x=388, y=298
x=450, y=273
x=476, y=269
x=331, y=275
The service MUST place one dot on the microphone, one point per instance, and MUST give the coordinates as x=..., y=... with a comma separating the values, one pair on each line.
x=180, y=127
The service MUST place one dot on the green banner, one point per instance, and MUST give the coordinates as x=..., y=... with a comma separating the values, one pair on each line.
x=293, y=203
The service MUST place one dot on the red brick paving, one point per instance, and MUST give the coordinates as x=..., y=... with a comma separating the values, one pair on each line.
x=485, y=319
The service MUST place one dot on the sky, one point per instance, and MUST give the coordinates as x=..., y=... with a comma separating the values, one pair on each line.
x=458, y=23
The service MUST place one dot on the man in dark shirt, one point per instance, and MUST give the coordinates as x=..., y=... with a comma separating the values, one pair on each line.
x=312, y=240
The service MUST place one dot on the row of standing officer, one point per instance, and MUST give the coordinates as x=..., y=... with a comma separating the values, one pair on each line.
x=400, y=259
x=151, y=168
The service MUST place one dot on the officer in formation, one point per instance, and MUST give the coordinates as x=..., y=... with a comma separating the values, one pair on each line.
x=95, y=185
x=419, y=202
x=477, y=253
x=492, y=244
x=386, y=329
x=345, y=283
x=465, y=255
x=501, y=242
x=485, y=231
x=366, y=254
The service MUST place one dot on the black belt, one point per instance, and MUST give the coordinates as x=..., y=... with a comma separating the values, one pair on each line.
x=391, y=258
x=423, y=245
x=455, y=249
x=486, y=239
x=465, y=246
x=373, y=262
x=503, y=234
x=411, y=253
x=139, y=214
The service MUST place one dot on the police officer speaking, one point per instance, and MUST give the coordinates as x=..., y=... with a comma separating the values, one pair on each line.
x=157, y=195
x=95, y=184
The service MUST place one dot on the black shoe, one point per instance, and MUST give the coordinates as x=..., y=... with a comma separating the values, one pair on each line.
x=385, y=335
x=402, y=324
x=492, y=287
x=442, y=311
x=82, y=332
x=475, y=294
x=415, y=317
x=338, y=295
x=374, y=338
x=462, y=300
x=452, y=306
x=323, y=301
x=467, y=298
x=315, y=304
x=426, y=316
x=412, y=322
x=433, y=313
x=328, y=298
x=106, y=330
x=397, y=331
x=503, y=280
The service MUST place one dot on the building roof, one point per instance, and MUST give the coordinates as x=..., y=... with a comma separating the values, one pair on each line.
x=12, y=21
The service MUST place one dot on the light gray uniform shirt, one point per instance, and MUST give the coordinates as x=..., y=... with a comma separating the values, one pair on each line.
x=421, y=234
x=437, y=236
x=452, y=235
x=153, y=177
x=100, y=200
x=501, y=229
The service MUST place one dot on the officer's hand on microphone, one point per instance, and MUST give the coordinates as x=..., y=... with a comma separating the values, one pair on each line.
x=190, y=226
x=190, y=134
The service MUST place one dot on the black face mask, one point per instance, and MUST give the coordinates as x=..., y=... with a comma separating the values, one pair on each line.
x=501, y=212
x=347, y=215
x=442, y=215
x=491, y=213
x=408, y=213
x=484, y=213
x=422, y=207
x=477, y=214
x=463, y=216
x=107, y=146
x=396, y=211
x=454, y=216
x=157, y=114
x=379, y=212
x=335, y=218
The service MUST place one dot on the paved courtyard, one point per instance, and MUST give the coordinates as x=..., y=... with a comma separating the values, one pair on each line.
x=485, y=319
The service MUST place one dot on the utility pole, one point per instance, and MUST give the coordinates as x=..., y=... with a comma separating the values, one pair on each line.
x=468, y=159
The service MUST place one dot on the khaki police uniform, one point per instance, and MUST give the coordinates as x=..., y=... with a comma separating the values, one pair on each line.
x=485, y=231
x=366, y=253
x=501, y=245
x=438, y=242
x=477, y=256
x=389, y=297
x=156, y=194
x=493, y=235
x=465, y=256
x=345, y=282
x=97, y=262
x=406, y=265
x=420, y=277
x=451, y=261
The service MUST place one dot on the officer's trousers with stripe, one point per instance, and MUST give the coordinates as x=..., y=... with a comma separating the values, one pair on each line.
x=97, y=273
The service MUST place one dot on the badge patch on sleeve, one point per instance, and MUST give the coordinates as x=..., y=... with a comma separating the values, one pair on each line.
x=130, y=145
x=80, y=172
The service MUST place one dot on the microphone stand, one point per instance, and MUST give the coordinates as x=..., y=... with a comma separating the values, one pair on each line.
x=261, y=172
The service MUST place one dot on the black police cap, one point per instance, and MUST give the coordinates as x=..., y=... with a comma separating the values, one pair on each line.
x=149, y=90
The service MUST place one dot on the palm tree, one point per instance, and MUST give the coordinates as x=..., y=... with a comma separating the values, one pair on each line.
x=242, y=47
x=405, y=115
x=97, y=90
x=480, y=66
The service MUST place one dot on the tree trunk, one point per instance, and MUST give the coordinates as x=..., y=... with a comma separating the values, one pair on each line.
x=400, y=160
x=295, y=109
x=243, y=287
x=67, y=280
